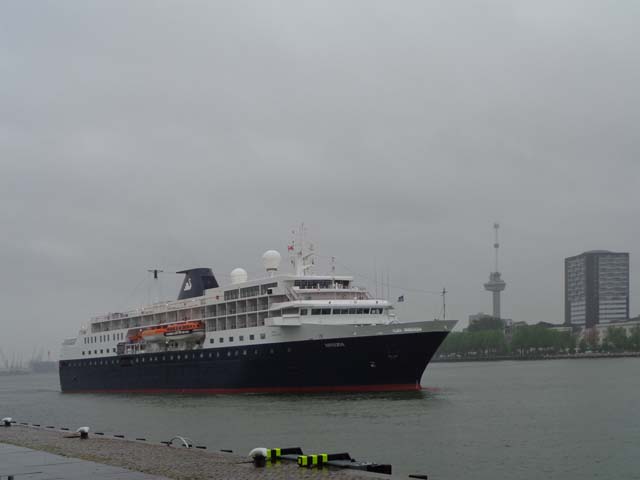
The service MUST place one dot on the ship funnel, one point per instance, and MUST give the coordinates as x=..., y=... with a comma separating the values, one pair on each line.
x=196, y=281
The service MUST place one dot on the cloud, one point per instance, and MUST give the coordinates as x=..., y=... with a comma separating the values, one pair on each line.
x=134, y=136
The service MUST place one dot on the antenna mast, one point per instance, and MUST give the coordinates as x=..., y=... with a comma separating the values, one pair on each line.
x=444, y=303
x=155, y=272
x=496, y=244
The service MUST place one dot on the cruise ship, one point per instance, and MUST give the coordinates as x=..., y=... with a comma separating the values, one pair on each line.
x=286, y=332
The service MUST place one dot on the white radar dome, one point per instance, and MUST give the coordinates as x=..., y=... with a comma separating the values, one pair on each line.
x=238, y=275
x=271, y=260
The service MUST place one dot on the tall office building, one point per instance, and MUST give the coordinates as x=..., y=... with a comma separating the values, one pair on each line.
x=596, y=288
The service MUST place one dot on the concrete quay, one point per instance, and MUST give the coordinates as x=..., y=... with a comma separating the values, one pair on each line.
x=24, y=463
x=112, y=458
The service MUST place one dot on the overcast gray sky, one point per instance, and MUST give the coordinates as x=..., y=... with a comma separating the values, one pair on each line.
x=176, y=134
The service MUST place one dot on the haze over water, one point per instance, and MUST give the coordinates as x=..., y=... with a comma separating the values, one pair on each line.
x=564, y=419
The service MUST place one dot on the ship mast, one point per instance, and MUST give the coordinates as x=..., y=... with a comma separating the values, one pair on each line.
x=301, y=254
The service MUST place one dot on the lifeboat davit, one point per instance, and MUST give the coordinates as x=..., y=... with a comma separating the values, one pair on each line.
x=191, y=331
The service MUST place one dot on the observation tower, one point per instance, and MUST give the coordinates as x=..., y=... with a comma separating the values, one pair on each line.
x=495, y=283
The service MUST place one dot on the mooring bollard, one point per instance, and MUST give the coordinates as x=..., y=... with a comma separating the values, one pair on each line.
x=259, y=456
x=84, y=432
x=6, y=421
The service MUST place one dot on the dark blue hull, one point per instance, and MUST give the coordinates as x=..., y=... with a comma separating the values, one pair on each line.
x=374, y=363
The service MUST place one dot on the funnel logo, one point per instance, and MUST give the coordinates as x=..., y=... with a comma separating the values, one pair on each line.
x=187, y=285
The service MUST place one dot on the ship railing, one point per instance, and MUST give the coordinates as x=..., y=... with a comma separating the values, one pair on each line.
x=291, y=294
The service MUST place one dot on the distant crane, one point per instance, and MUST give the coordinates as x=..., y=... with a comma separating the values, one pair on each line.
x=5, y=360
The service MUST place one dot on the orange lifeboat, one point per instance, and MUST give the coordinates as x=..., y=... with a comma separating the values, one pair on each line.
x=154, y=334
x=186, y=331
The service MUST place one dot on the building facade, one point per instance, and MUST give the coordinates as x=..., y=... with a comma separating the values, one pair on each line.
x=596, y=286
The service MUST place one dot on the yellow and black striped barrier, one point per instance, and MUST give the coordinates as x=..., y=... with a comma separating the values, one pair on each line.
x=321, y=459
x=311, y=461
x=273, y=454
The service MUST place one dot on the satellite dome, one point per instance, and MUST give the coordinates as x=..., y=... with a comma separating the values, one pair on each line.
x=271, y=260
x=238, y=275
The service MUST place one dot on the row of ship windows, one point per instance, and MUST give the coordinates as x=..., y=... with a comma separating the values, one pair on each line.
x=253, y=291
x=164, y=358
x=342, y=311
x=104, y=338
x=305, y=311
x=211, y=340
x=240, y=338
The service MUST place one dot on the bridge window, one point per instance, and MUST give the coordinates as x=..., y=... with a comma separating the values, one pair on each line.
x=264, y=289
x=250, y=291
x=231, y=294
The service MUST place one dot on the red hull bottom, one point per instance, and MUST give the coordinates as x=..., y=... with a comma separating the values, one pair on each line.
x=403, y=387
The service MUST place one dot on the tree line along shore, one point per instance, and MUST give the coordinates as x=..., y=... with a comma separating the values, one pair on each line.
x=486, y=342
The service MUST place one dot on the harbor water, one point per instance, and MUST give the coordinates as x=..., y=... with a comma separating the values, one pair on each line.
x=560, y=419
